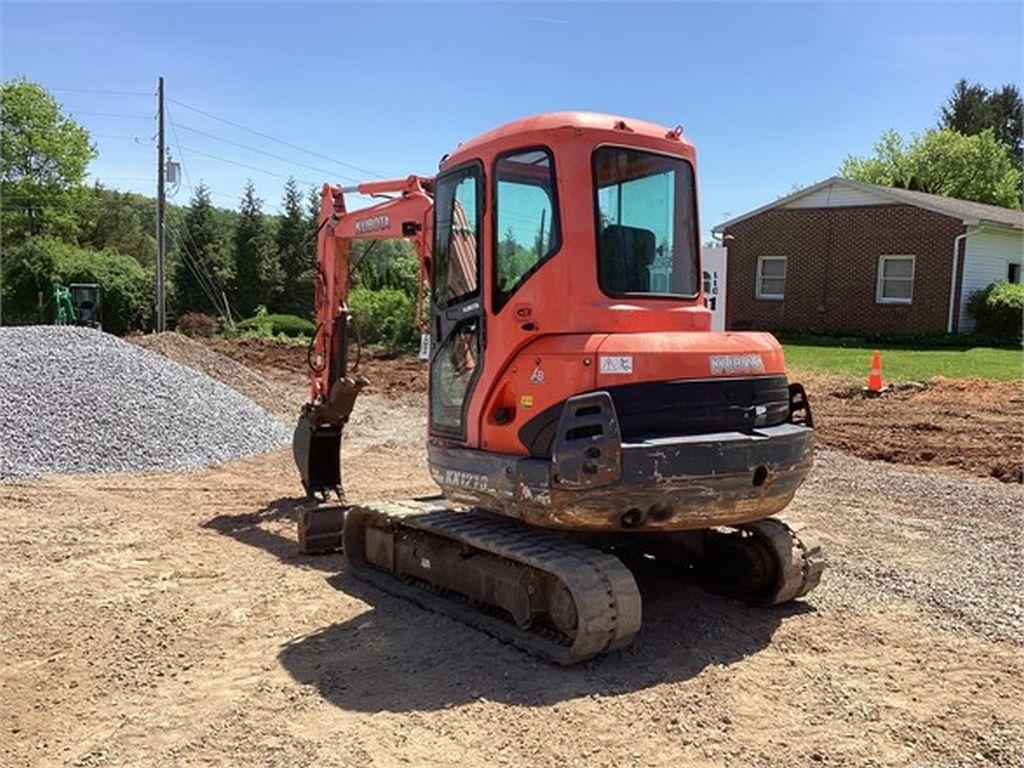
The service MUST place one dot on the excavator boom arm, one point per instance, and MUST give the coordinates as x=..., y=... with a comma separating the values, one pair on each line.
x=405, y=213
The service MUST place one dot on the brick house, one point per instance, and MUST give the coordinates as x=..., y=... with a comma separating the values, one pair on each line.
x=846, y=256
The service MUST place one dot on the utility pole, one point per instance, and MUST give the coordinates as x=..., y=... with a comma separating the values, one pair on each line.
x=161, y=240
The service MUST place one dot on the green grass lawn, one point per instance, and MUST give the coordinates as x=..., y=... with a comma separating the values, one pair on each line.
x=903, y=363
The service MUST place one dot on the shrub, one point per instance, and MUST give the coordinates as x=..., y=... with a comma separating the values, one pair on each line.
x=386, y=317
x=32, y=267
x=999, y=309
x=197, y=324
x=272, y=326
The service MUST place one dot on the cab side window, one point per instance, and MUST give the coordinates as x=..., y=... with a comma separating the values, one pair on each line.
x=526, y=218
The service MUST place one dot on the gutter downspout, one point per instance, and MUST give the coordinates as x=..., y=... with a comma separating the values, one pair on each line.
x=956, y=257
x=952, y=281
x=962, y=238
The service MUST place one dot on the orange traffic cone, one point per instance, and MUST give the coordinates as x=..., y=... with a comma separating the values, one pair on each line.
x=875, y=377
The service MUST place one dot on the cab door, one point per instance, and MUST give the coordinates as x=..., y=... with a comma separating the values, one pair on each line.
x=457, y=316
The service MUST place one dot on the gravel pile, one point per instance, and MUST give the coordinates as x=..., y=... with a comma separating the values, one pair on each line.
x=188, y=352
x=74, y=400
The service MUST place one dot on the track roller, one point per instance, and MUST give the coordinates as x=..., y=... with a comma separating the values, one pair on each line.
x=536, y=589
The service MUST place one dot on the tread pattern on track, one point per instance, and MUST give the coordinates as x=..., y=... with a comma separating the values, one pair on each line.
x=604, y=592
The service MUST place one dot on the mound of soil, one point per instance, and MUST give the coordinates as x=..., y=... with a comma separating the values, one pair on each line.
x=971, y=425
x=200, y=357
x=388, y=375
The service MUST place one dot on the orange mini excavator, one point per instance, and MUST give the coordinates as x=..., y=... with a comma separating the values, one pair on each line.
x=582, y=414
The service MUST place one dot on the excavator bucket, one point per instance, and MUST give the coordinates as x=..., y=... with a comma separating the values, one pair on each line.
x=317, y=452
x=316, y=446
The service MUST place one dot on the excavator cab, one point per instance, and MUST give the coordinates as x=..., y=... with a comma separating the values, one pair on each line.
x=88, y=301
x=575, y=382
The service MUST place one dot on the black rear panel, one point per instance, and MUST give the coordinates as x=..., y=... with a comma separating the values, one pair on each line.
x=684, y=407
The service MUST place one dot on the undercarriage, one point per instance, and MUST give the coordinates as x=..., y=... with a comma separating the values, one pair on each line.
x=558, y=595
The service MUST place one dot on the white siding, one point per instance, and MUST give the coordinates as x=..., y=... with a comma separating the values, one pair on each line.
x=986, y=255
x=713, y=263
x=838, y=196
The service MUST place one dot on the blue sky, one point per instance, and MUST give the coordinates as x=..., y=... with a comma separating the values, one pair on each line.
x=774, y=95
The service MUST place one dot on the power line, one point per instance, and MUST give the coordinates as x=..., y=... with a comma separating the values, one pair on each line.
x=188, y=179
x=209, y=191
x=110, y=114
x=274, y=138
x=211, y=277
x=264, y=152
x=100, y=90
x=191, y=263
x=58, y=131
x=243, y=165
x=184, y=168
x=101, y=176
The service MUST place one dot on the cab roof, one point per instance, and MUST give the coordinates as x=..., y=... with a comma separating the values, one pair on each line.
x=555, y=121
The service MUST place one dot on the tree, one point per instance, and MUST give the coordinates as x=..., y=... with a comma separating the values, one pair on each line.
x=944, y=162
x=258, y=278
x=293, y=253
x=514, y=260
x=973, y=108
x=312, y=223
x=31, y=268
x=112, y=220
x=43, y=158
x=203, y=265
x=380, y=264
x=1009, y=107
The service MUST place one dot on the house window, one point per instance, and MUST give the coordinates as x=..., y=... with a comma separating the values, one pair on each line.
x=1013, y=273
x=771, y=278
x=895, y=280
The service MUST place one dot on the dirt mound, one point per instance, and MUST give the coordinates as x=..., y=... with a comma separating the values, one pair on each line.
x=185, y=351
x=388, y=375
x=261, y=355
x=971, y=425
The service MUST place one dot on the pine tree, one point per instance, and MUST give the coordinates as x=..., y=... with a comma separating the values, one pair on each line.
x=294, y=255
x=258, y=278
x=973, y=108
x=312, y=223
x=203, y=268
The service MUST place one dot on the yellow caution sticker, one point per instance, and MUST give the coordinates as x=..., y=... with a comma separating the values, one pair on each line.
x=526, y=401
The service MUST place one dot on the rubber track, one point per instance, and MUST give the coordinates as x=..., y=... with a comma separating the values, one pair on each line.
x=605, y=594
x=799, y=556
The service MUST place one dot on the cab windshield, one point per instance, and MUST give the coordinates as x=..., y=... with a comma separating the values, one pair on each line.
x=646, y=223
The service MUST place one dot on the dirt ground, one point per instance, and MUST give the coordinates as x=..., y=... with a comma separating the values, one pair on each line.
x=973, y=426
x=970, y=425
x=166, y=620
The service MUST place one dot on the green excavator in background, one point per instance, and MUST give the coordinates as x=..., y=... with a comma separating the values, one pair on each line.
x=79, y=304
